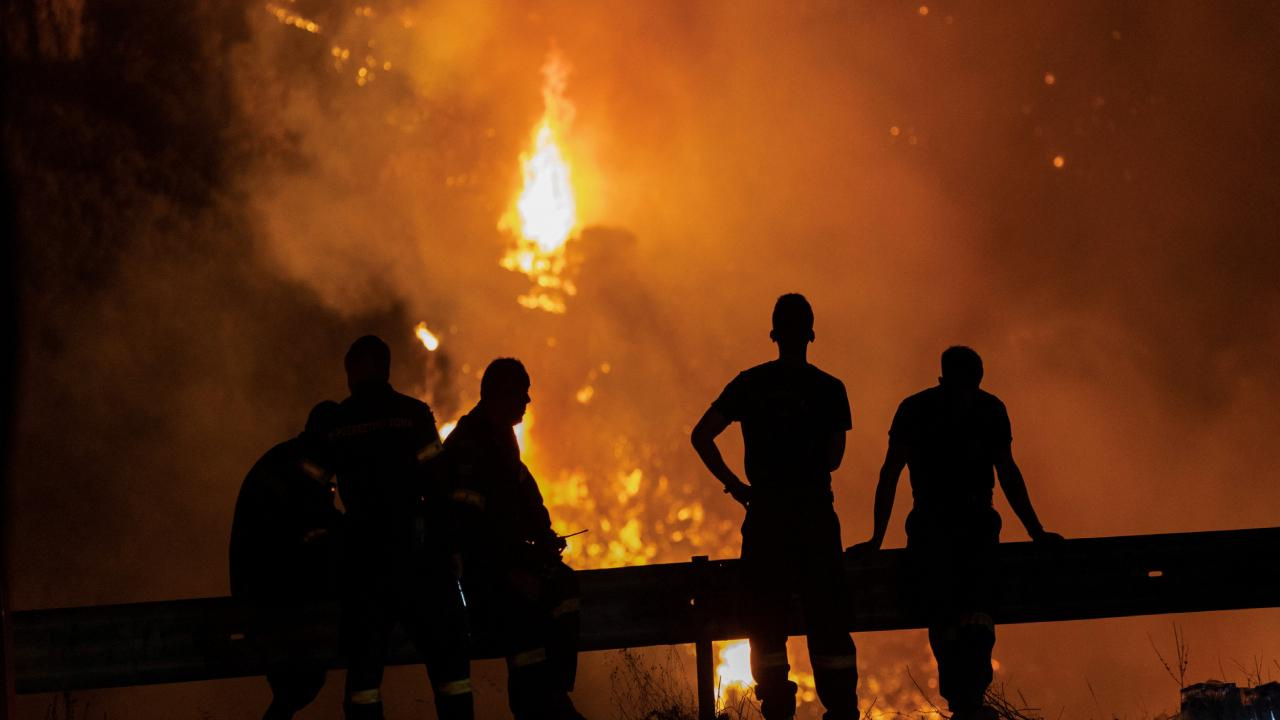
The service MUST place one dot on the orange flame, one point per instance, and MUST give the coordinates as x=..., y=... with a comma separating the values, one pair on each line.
x=543, y=216
x=733, y=670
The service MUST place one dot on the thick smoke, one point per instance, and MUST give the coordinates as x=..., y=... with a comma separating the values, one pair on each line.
x=206, y=224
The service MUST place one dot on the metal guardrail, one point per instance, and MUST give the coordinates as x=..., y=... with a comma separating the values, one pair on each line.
x=697, y=602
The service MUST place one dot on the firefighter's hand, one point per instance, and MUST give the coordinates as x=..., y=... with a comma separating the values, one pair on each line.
x=739, y=491
x=863, y=549
x=558, y=544
x=1045, y=536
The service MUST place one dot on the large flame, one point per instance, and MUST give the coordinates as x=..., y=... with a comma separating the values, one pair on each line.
x=733, y=670
x=543, y=216
x=734, y=679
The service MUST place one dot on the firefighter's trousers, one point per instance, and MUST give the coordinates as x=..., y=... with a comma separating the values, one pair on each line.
x=292, y=690
x=532, y=612
x=427, y=603
x=951, y=556
x=296, y=676
x=790, y=550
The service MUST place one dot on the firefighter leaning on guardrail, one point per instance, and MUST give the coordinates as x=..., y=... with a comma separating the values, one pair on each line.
x=794, y=418
x=284, y=553
x=399, y=566
x=519, y=590
x=954, y=439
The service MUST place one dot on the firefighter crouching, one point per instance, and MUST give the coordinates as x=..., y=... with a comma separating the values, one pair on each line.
x=399, y=567
x=284, y=552
x=519, y=590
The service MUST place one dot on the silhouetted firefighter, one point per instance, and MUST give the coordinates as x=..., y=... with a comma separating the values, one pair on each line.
x=400, y=565
x=284, y=545
x=794, y=418
x=519, y=589
x=951, y=436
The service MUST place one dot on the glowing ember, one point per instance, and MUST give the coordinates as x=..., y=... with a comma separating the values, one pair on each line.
x=543, y=216
x=288, y=17
x=1059, y=161
x=428, y=338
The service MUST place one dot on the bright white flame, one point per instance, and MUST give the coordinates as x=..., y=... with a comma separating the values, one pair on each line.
x=733, y=671
x=447, y=428
x=429, y=340
x=542, y=217
x=546, y=206
x=522, y=432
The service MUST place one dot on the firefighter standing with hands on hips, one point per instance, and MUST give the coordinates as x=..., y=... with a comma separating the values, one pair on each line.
x=794, y=418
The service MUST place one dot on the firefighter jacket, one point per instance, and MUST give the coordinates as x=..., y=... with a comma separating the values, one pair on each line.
x=499, y=509
x=285, y=532
x=385, y=447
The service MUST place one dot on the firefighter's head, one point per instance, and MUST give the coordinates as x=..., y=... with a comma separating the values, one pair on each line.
x=961, y=368
x=504, y=390
x=322, y=419
x=368, y=362
x=792, y=321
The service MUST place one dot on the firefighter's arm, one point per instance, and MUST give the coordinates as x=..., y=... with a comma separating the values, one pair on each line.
x=462, y=469
x=704, y=436
x=895, y=459
x=429, y=448
x=835, y=450
x=536, y=517
x=1015, y=491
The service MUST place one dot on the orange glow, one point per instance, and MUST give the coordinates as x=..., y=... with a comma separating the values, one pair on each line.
x=733, y=670
x=1059, y=161
x=1049, y=79
x=543, y=216
x=428, y=338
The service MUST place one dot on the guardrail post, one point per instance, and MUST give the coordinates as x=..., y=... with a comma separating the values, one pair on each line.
x=704, y=656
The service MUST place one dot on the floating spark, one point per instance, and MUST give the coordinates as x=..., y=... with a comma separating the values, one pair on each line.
x=429, y=340
x=288, y=17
